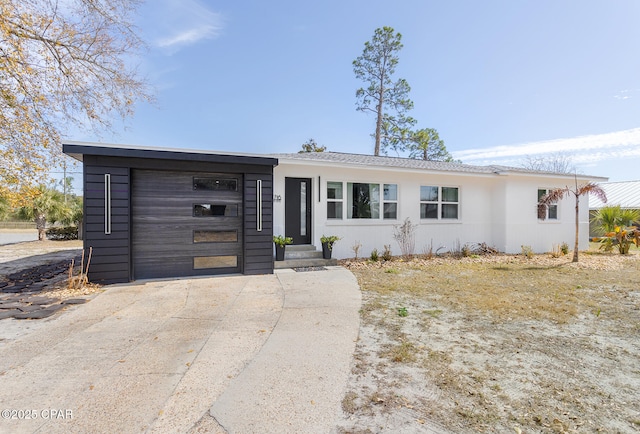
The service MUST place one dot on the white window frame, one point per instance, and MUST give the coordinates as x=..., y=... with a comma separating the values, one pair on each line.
x=378, y=203
x=335, y=200
x=439, y=204
x=374, y=206
x=389, y=201
x=548, y=207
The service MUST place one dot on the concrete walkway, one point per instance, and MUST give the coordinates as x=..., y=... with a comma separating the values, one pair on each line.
x=237, y=354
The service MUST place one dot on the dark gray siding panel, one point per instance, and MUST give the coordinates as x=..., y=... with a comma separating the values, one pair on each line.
x=258, y=257
x=110, y=261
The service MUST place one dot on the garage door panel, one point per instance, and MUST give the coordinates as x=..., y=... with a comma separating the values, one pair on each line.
x=164, y=200
x=182, y=225
x=179, y=231
x=174, y=183
x=176, y=267
x=195, y=249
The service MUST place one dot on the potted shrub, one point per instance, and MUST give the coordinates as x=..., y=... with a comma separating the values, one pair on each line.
x=327, y=245
x=281, y=241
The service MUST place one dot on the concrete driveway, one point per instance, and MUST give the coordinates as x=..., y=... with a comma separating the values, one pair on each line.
x=237, y=354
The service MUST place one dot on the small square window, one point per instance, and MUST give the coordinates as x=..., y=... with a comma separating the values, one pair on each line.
x=334, y=190
x=214, y=210
x=429, y=194
x=449, y=211
x=390, y=210
x=216, y=184
x=428, y=210
x=390, y=192
x=449, y=194
x=334, y=210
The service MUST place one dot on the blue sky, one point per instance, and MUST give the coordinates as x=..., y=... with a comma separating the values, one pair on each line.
x=499, y=79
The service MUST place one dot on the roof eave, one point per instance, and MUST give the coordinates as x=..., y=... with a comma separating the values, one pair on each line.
x=285, y=160
x=77, y=150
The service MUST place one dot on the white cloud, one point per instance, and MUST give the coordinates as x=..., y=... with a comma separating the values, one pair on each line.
x=582, y=150
x=179, y=23
x=625, y=94
x=188, y=37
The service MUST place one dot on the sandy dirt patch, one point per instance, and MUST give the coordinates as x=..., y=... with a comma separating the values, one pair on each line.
x=497, y=344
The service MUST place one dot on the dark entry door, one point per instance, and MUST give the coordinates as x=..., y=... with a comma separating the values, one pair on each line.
x=297, y=214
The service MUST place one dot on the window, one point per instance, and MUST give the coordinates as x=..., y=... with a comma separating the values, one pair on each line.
x=439, y=202
x=215, y=236
x=215, y=184
x=214, y=210
x=334, y=200
x=546, y=212
x=390, y=201
x=204, y=262
x=449, y=203
x=363, y=200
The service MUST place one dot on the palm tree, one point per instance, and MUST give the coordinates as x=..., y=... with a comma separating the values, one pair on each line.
x=47, y=206
x=608, y=217
x=558, y=194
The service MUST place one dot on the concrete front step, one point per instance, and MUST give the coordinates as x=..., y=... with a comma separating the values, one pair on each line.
x=300, y=247
x=303, y=255
x=299, y=263
x=301, y=251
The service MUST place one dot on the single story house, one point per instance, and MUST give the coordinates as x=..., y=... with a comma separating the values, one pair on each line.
x=363, y=199
x=155, y=212
x=626, y=194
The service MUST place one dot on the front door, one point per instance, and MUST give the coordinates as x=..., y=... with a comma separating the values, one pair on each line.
x=297, y=214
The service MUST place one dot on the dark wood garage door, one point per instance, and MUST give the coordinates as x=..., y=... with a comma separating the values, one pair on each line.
x=186, y=224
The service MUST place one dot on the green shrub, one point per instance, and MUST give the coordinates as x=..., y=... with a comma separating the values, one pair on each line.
x=374, y=255
x=62, y=233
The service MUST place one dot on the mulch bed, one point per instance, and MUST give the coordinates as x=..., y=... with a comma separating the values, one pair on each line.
x=21, y=292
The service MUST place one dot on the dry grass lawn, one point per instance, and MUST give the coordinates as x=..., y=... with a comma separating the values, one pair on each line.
x=497, y=344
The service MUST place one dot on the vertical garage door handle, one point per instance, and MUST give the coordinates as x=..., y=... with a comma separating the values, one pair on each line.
x=259, y=204
x=107, y=203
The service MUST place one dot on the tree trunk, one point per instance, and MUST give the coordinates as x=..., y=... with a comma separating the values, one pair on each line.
x=376, y=151
x=41, y=225
x=575, y=249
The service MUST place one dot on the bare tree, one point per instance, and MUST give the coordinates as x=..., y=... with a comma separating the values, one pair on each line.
x=404, y=234
x=62, y=62
x=556, y=163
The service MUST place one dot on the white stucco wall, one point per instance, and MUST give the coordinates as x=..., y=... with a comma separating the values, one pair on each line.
x=522, y=225
x=499, y=210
